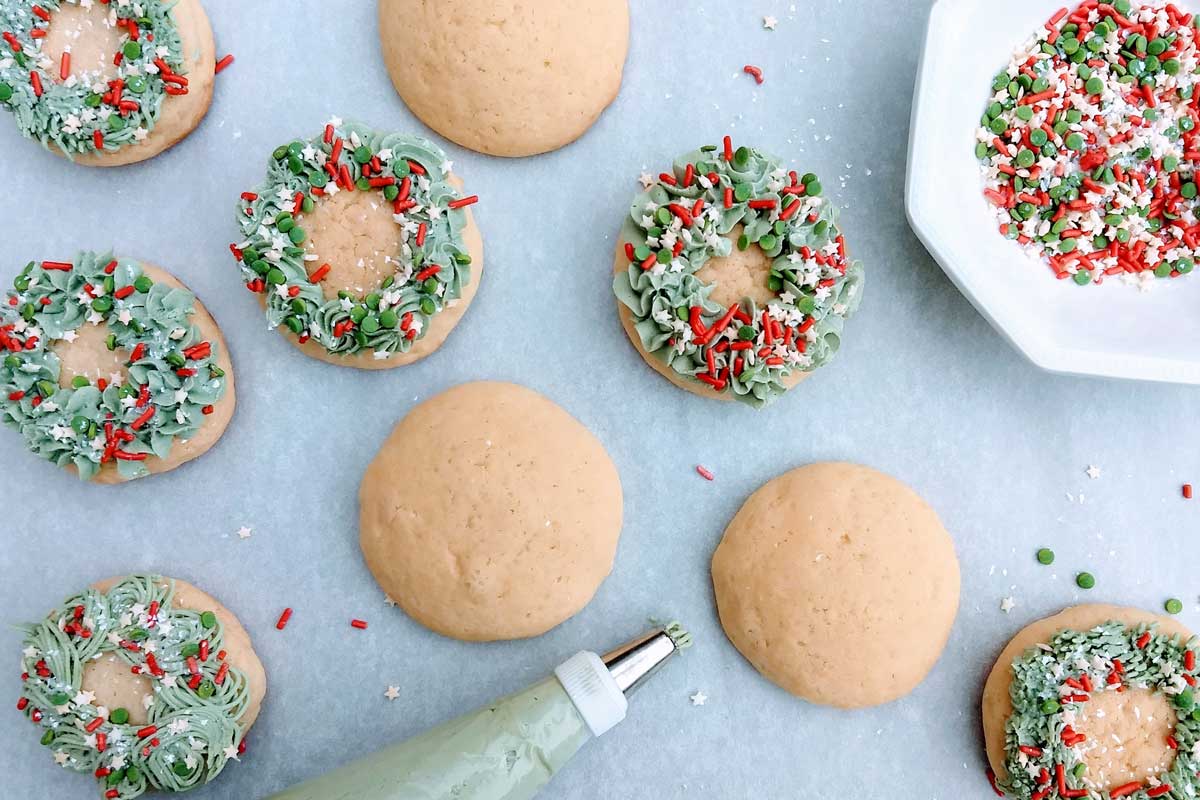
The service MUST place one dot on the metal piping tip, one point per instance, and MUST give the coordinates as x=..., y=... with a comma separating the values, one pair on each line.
x=635, y=661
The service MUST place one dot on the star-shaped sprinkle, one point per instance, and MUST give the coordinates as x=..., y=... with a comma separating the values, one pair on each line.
x=387, y=598
x=392, y=692
x=1093, y=472
x=30, y=652
x=60, y=758
x=646, y=179
x=699, y=699
x=84, y=698
x=244, y=532
x=770, y=22
x=231, y=752
x=1007, y=604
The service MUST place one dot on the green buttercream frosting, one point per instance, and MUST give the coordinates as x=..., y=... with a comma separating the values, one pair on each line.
x=172, y=383
x=192, y=727
x=684, y=219
x=408, y=174
x=1051, y=682
x=70, y=113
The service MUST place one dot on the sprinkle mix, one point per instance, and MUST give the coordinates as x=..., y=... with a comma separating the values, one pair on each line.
x=685, y=218
x=89, y=114
x=1089, y=144
x=173, y=378
x=1045, y=755
x=409, y=174
x=192, y=715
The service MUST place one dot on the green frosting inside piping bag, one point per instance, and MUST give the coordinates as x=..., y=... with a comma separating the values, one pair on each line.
x=507, y=750
x=173, y=374
x=816, y=286
x=69, y=114
x=192, y=727
x=411, y=175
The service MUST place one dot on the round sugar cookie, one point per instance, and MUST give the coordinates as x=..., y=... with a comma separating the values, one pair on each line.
x=360, y=246
x=502, y=77
x=839, y=584
x=490, y=513
x=1115, y=736
x=143, y=682
x=731, y=275
x=112, y=368
x=107, y=84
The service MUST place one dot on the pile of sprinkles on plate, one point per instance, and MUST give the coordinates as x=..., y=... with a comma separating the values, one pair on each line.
x=1089, y=143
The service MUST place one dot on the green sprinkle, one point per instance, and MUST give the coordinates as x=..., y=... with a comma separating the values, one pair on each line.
x=6, y=92
x=102, y=304
x=428, y=307
x=1085, y=580
x=1185, y=700
x=143, y=284
x=388, y=319
x=1051, y=707
x=118, y=716
x=78, y=382
x=136, y=84
x=133, y=774
x=1082, y=277
x=60, y=699
x=370, y=325
x=297, y=235
x=1174, y=606
x=275, y=276
x=180, y=769
x=1045, y=556
x=208, y=619
x=362, y=155
x=48, y=738
x=132, y=50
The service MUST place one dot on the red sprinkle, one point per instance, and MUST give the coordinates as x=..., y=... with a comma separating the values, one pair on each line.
x=463, y=202
x=283, y=619
x=755, y=72
x=705, y=473
x=223, y=63
x=361, y=624
x=1187, y=491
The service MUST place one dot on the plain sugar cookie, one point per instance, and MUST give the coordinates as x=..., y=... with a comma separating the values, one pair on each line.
x=502, y=77
x=111, y=367
x=361, y=246
x=839, y=584
x=1116, y=684
x=508, y=526
x=142, y=683
x=106, y=84
x=732, y=277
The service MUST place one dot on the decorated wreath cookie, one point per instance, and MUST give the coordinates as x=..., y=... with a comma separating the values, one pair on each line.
x=732, y=275
x=106, y=83
x=143, y=682
x=1098, y=702
x=111, y=367
x=1089, y=143
x=361, y=246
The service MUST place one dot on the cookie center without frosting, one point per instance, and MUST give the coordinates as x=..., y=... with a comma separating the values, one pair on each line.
x=116, y=687
x=355, y=233
x=87, y=35
x=1126, y=736
x=89, y=357
x=741, y=274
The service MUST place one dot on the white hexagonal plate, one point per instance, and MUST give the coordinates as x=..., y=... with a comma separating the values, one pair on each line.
x=1112, y=330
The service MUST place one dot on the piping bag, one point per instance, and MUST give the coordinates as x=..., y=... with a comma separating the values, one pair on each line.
x=509, y=749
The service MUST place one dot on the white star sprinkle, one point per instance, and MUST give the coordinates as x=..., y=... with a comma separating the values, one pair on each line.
x=85, y=698
x=231, y=752
x=699, y=699
x=770, y=22
x=646, y=179
x=244, y=532
x=387, y=598
x=1093, y=472
x=392, y=692
x=1007, y=604
x=60, y=758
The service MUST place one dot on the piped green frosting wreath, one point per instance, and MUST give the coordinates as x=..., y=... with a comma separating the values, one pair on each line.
x=1043, y=752
x=411, y=175
x=684, y=218
x=192, y=727
x=53, y=106
x=173, y=376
